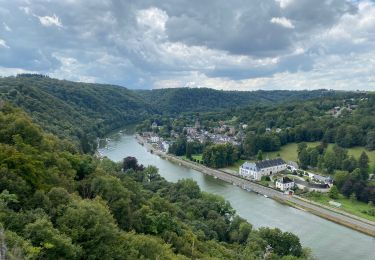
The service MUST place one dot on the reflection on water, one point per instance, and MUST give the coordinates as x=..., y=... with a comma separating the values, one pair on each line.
x=327, y=239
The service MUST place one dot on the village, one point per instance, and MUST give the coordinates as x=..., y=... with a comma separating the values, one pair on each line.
x=278, y=174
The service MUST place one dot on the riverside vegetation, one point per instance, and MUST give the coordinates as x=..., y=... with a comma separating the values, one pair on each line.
x=332, y=135
x=57, y=202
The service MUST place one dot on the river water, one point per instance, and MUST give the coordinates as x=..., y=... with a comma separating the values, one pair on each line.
x=326, y=239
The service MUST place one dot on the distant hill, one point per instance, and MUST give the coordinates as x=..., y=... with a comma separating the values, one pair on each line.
x=79, y=111
x=83, y=111
x=179, y=100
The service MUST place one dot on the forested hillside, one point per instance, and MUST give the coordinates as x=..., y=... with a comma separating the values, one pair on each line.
x=56, y=203
x=82, y=111
x=78, y=111
x=177, y=100
x=347, y=119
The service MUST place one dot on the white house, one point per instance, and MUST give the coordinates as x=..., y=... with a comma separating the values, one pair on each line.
x=154, y=125
x=284, y=184
x=155, y=139
x=255, y=171
x=165, y=146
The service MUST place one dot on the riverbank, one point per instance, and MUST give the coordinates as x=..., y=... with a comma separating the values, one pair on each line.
x=362, y=225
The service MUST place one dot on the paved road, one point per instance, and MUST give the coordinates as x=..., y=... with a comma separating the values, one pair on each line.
x=354, y=222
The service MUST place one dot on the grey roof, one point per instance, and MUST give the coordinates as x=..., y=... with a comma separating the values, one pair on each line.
x=322, y=178
x=262, y=164
x=269, y=163
x=285, y=180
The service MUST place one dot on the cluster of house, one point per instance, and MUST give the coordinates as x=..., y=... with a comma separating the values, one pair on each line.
x=219, y=135
x=193, y=134
x=336, y=111
x=256, y=170
x=162, y=145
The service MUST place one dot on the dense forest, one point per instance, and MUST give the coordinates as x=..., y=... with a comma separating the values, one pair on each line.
x=76, y=111
x=57, y=203
x=179, y=100
x=306, y=121
x=82, y=111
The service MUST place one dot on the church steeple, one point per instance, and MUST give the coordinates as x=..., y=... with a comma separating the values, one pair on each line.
x=197, y=122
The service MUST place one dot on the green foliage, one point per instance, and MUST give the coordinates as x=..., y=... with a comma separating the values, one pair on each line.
x=333, y=193
x=282, y=243
x=51, y=242
x=76, y=111
x=220, y=155
x=178, y=100
x=370, y=140
x=363, y=163
x=56, y=203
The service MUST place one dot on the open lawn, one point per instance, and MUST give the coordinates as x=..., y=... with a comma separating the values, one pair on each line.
x=236, y=165
x=353, y=207
x=356, y=152
x=197, y=157
x=289, y=152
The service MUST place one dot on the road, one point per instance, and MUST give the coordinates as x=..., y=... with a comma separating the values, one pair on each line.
x=343, y=218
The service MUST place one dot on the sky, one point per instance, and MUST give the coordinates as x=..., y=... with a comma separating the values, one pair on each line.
x=221, y=44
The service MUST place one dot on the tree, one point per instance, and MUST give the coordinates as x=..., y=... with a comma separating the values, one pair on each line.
x=333, y=192
x=282, y=243
x=340, y=178
x=363, y=164
x=370, y=140
x=301, y=146
x=329, y=161
x=52, y=243
x=90, y=225
x=349, y=164
x=314, y=156
x=189, y=150
x=304, y=158
x=131, y=163
x=260, y=155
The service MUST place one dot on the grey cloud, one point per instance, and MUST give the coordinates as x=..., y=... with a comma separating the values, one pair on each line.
x=243, y=27
x=219, y=39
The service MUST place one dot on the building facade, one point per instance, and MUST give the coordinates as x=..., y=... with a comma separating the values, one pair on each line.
x=255, y=171
x=284, y=184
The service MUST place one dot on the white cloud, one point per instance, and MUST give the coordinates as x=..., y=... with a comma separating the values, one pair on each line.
x=285, y=22
x=153, y=18
x=284, y=3
x=291, y=45
x=3, y=44
x=6, y=27
x=71, y=69
x=5, y=72
x=25, y=9
x=49, y=20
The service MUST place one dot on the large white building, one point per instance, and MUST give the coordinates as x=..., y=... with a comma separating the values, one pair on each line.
x=255, y=171
x=284, y=184
x=154, y=139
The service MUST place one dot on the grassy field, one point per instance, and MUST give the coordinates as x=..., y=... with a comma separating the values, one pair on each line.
x=236, y=165
x=289, y=153
x=352, y=207
x=197, y=157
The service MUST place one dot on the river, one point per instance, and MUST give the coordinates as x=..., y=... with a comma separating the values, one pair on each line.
x=327, y=240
